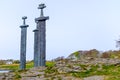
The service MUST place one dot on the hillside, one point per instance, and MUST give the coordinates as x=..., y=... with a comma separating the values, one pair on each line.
x=85, y=69
x=81, y=65
x=115, y=54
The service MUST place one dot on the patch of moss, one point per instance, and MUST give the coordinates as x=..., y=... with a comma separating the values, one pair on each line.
x=17, y=76
x=76, y=54
x=112, y=77
x=50, y=64
x=108, y=70
x=51, y=70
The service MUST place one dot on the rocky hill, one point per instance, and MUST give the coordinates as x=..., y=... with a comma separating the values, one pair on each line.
x=66, y=69
x=80, y=65
x=115, y=54
x=82, y=54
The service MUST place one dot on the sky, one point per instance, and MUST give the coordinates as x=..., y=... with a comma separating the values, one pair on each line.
x=73, y=25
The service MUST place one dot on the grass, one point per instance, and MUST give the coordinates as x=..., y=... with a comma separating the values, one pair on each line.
x=10, y=66
x=28, y=65
x=50, y=64
x=76, y=54
x=110, y=71
x=15, y=66
x=112, y=78
x=50, y=67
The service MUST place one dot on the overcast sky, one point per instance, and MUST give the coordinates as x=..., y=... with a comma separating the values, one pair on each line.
x=73, y=25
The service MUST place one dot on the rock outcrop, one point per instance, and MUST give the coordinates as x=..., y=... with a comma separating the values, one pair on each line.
x=62, y=70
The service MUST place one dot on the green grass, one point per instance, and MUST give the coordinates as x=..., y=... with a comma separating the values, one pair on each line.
x=112, y=72
x=50, y=64
x=28, y=65
x=15, y=66
x=112, y=78
x=76, y=54
x=10, y=66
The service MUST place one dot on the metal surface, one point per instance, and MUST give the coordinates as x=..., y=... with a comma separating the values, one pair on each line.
x=40, y=39
x=23, y=44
